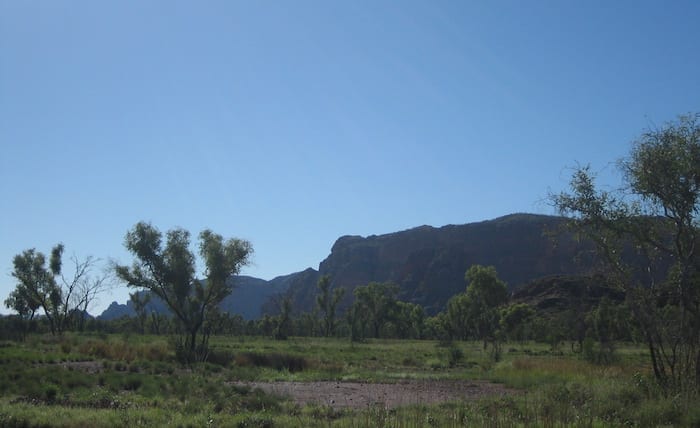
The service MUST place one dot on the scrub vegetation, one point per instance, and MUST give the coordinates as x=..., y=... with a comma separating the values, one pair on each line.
x=118, y=380
x=623, y=349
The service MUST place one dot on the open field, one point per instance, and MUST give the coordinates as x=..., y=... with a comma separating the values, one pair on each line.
x=117, y=380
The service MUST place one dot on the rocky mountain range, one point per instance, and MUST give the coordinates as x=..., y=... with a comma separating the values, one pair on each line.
x=427, y=263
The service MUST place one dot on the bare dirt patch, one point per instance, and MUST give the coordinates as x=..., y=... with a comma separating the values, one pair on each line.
x=357, y=395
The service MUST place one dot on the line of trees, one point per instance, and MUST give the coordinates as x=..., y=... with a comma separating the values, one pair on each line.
x=646, y=234
x=482, y=312
x=163, y=265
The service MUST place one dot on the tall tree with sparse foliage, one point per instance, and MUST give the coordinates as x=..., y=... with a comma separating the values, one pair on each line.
x=168, y=271
x=374, y=305
x=327, y=303
x=655, y=217
x=59, y=296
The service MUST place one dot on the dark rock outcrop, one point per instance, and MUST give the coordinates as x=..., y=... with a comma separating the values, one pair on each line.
x=429, y=263
x=559, y=293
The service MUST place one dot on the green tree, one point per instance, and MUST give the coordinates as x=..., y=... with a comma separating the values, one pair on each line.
x=168, y=271
x=408, y=320
x=45, y=287
x=417, y=319
x=604, y=327
x=437, y=327
x=484, y=287
x=327, y=302
x=485, y=293
x=474, y=313
x=459, y=317
x=515, y=321
x=22, y=301
x=653, y=219
x=307, y=324
x=374, y=304
x=283, y=321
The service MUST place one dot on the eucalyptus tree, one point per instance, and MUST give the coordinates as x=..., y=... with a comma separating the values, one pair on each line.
x=374, y=305
x=44, y=286
x=475, y=313
x=654, y=218
x=327, y=303
x=168, y=270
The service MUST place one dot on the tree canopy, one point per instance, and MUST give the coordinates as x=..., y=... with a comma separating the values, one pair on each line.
x=327, y=303
x=42, y=286
x=655, y=217
x=168, y=271
x=474, y=313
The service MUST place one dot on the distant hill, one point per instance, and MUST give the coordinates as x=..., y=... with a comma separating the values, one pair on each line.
x=248, y=296
x=429, y=263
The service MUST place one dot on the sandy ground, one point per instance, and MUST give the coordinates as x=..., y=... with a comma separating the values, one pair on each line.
x=357, y=395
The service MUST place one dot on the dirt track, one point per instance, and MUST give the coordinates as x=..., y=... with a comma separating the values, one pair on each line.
x=357, y=395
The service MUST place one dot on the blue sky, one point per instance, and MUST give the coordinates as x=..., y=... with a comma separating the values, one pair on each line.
x=291, y=123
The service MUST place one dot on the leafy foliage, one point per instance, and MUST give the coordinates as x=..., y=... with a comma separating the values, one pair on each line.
x=373, y=306
x=327, y=304
x=657, y=217
x=169, y=272
x=474, y=313
x=62, y=299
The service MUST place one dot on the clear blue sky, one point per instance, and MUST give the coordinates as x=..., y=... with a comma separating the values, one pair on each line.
x=291, y=123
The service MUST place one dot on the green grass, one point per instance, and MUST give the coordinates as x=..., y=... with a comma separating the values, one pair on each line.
x=139, y=383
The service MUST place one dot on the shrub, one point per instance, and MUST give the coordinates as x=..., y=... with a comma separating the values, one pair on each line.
x=658, y=413
x=292, y=363
x=597, y=353
x=221, y=357
x=454, y=355
x=132, y=383
x=255, y=422
x=50, y=393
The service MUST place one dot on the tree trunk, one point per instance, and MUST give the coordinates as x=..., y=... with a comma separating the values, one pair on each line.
x=193, y=341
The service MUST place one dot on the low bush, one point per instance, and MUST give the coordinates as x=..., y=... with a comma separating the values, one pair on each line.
x=454, y=355
x=292, y=363
x=220, y=357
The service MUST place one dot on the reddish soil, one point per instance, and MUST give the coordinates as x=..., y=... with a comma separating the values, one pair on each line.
x=356, y=395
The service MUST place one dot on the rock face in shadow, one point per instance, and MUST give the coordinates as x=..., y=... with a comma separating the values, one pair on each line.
x=249, y=294
x=553, y=294
x=429, y=263
x=247, y=299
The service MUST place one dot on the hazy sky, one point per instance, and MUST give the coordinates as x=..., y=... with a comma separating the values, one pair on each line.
x=291, y=123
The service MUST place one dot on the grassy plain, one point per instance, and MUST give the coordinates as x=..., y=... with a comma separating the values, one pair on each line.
x=92, y=380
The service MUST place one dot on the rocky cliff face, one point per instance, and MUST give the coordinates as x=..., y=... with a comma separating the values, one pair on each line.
x=429, y=263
